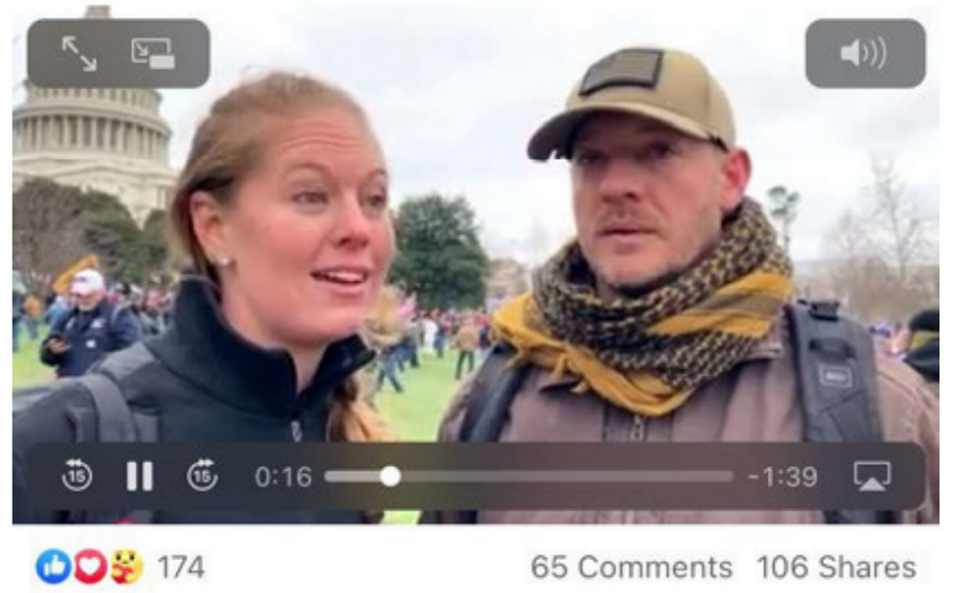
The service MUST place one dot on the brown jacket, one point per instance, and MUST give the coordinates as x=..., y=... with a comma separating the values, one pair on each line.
x=756, y=402
x=467, y=338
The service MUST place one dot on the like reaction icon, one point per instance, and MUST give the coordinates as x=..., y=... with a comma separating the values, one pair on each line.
x=91, y=567
x=54, y=567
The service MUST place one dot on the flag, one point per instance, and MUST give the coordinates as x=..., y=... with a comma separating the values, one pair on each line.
x=61, y=285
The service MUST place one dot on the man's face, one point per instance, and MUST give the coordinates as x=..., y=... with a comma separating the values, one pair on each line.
x=88, y=301
x=649, y=200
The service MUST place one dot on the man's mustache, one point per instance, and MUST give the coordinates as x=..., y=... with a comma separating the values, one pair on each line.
x=629, y=220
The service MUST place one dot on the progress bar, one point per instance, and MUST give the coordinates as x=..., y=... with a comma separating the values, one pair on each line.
x=392, y=476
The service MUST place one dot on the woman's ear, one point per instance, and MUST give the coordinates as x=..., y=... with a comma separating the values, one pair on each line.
x=209, y=224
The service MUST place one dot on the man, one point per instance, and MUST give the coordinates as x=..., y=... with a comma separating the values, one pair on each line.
x=429, y=331
x=667, y=319
x=32, y=313
x=17, y=317
x=923, y=347
x=467, y=341
x=92, y=329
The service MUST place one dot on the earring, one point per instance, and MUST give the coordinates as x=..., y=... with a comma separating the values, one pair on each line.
x=223, y=262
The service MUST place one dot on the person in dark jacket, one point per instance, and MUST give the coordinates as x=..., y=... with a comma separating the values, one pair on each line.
x=923, y=349
x=18, y=300
x=91, y=330
x=286, y=225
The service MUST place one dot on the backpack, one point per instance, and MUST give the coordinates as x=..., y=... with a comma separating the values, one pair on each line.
x=837, y=376
x=115, y=421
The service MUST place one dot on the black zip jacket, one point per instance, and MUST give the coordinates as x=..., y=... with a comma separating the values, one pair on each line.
x=207, y=384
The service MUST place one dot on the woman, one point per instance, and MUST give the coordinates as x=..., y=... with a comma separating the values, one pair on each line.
x=281, y=209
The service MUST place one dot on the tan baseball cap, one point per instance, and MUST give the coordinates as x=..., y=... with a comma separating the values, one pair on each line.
x=667, y=85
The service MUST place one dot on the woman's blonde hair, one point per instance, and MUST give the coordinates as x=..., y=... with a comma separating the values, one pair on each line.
x=230, y=142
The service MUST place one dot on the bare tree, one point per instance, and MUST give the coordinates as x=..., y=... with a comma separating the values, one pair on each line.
x=857, y=276
x=898, y=222
x=882, y=265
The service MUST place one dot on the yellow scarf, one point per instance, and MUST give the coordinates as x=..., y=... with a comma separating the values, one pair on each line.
x=746, y=307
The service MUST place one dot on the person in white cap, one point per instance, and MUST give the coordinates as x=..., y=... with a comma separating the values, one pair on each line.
x=93, y=328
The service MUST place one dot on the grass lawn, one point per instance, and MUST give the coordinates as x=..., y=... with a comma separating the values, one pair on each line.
x=27, y=368
x=413, y=415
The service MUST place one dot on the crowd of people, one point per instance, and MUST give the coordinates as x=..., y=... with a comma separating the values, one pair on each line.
x=88, y=322
x=434, y=332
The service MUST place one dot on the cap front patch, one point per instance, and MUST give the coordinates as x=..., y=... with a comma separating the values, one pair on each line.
x=628, y=67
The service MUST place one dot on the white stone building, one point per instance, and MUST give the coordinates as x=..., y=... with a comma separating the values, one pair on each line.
x=112, y=140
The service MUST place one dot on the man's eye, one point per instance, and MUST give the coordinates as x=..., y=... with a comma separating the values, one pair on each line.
x=586, y=158
x=659, y=151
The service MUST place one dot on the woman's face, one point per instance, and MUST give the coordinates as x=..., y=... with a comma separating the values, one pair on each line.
x=308, y=234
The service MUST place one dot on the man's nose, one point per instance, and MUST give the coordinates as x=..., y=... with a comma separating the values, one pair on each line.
x=620, y=180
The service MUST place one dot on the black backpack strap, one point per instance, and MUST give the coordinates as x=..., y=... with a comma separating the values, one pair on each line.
x=837, y=376
x=492, y=392
x=117, y=422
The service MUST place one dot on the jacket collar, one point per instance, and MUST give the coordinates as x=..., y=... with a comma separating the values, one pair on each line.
x=206, y=350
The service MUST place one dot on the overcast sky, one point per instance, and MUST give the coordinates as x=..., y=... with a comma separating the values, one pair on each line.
x=456, y=88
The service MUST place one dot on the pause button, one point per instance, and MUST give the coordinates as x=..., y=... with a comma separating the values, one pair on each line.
x=139, y=476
